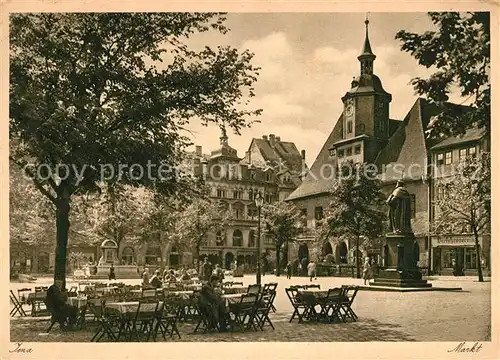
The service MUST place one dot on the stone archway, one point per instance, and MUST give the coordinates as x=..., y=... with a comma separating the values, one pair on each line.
x=326, y=248
x=341, y=253
x=303, y=252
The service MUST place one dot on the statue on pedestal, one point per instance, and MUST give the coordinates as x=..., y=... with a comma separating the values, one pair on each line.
x=400, y=209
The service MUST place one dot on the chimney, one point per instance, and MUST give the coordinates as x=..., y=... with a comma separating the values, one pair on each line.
x=278, y=139
x=271, y=139
x=198, y=150
x=303, y=153
x=264, y=137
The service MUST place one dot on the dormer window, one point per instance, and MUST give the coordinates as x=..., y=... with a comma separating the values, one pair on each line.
x=333, y=152
x=268, y=176
x=341, y=153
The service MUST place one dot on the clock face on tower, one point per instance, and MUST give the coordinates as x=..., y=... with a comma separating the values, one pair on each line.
x=349, y=110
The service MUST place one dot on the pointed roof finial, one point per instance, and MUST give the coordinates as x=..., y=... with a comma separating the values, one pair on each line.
x=367, y=49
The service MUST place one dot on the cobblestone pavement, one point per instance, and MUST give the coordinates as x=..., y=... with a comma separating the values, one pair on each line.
x=383, y=316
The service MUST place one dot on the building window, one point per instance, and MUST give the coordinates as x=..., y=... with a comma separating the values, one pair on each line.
x=219, y=239
x=349, y=126
x=237, y=238
x=472, y=151
x=413, y=205
x=462, y=154
x=470, y=258
x=332, y=152
x=268, y=176
x=303, y=217
x=440, y=159
x=341, y=153
x=237, y=194
x=348, y=152
x=252, y=175
x=318, y=213
x=268, y=198
x=221, y=193
x=250, y=194
x=448, y=159
x=357, y=149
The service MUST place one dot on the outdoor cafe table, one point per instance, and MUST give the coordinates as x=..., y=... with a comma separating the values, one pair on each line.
x=317, y=293
x=235, y=290
x=231, y=298
x=128, y=307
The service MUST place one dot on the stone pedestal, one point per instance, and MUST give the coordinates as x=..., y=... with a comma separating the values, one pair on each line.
x=401, y=263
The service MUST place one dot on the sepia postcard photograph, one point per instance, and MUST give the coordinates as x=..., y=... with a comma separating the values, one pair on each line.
x=318, y=179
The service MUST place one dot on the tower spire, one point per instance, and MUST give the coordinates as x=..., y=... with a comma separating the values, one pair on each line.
x=367, y=57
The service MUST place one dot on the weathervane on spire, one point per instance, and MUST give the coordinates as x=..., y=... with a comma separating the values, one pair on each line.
x=367, y=56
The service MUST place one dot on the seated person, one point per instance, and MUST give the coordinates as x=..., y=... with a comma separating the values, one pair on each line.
x=155, y=280
x=63, y=313
x=185, y=276
x=145, y=278
x=171, y=276
x=213, y=304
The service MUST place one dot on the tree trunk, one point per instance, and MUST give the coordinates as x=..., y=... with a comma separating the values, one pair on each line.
x=478, y=257
x=358, y=273
x=62, y=229
x=278, y=258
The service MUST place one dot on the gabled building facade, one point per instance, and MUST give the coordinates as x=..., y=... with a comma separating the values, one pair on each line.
x=364, y=133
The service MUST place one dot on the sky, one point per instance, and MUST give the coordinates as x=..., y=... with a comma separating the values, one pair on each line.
x=308, y=61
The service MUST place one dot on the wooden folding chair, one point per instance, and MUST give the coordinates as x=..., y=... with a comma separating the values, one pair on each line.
x=253, y=289
x=22, y=295
x=299, y=308
x=262, y=311
x=349, y=295
x=106, y=323
x=269, y=292
x=244, y=311
x=206, y=321
x=167, y=317
x=330, y=305
x=144, y=318
x=18, y=306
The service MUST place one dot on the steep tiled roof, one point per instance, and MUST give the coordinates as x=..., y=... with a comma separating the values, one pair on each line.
x=282, y=150
x=318, y=181
x=469, y=136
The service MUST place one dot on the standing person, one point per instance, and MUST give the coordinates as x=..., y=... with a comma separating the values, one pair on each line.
x=311, y=270
x=304, y=266
x=112, y=275
x=289, y=270
x=206, y=270
x=145, y=277
x=366, y=270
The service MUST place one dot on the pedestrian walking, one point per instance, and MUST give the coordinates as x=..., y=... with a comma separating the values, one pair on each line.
x=112, y=275
x=311, y=270
x=366, y=270
x=289, y=270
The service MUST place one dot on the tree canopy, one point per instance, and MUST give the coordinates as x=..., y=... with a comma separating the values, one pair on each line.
x=459, y=49
x=465, y=201
x=281, y=224
x=103, y=98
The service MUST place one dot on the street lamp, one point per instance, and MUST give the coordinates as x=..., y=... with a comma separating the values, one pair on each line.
x=259, y=201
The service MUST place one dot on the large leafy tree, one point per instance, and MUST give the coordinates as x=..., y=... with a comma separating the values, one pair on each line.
x=93, y=92
x=466, y=202
x=354, y=212
x=281, y=224
x=194, y=222
x=459, y=49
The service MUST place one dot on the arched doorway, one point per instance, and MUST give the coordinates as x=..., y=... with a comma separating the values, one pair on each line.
x=303, y=252
x=326, y=249
x=128, y=257
x=240, y=259
x=173, y=257
x=228, y=260
x=341, y=253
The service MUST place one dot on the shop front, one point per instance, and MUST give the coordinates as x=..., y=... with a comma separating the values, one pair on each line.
x=455, y=255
